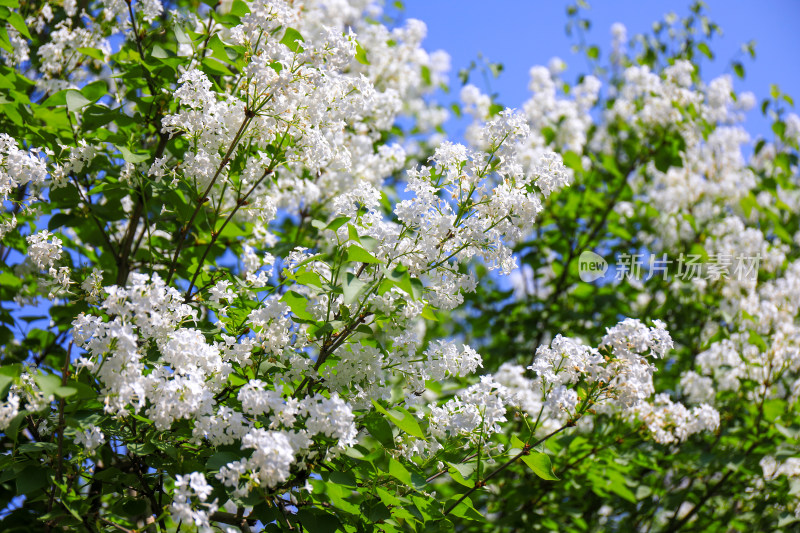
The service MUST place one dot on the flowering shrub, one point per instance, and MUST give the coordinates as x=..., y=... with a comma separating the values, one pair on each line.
x=247, y=284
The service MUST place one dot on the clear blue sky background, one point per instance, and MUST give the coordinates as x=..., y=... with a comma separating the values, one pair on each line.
x=520, y=34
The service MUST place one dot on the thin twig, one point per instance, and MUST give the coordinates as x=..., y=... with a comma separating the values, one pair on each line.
x=525, y=451
x=60, y=429
x=201, y=200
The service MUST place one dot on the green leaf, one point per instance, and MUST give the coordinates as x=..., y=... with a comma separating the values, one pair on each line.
x=618, y=487
x=63, y=219
x=65, y=392
x=76, y=101
x=399, y=472
x=402, y=419
x=428, y=314
x=361, y=54
x=352, y=233
x=141, y=448
x=426, y=74
x=309, y=279
x=18, y=23
x=130, y=157
x=460, y=472
x=782, y=234
x=291, y=38
x=467, y=510
x=239, y=8
x=779, y=128
x=130, y=507
x=706, y=51
x=5, y=43
x=95, y=90
x=337, y=223
x=298, y=304
x=379, y=428
x=573, y=161
x=540, y=464
x=48, y=383
x=316, y=520
x=356, y=254
x=352, y=287
x=216, y=67
x=774, y=409
x=181, y=36
x=94, y=53
x=31, y=479
x=748, y=203
x=375, y=510
x=220, y=459
x=401, y=279
x=37, y=447
x=8, y=374
x=757, y=340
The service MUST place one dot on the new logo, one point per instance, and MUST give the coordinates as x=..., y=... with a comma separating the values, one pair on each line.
x=591, y=266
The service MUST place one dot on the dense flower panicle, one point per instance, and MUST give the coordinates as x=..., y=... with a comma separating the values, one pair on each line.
x=44, y=249
x=189, y=503
x=20, y=167
x=623, y=379
x=670, y=422
x=9, y=409
x=59, y=58
x=566, y=361
x=476, y=413
x=446, y=359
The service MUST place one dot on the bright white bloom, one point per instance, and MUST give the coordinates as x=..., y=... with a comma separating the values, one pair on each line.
x=9, y=409
x=90, y=438
x=42, y=250
x=185, y=506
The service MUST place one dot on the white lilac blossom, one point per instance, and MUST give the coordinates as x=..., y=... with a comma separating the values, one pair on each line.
x=90, y=438
x=19, y=167
x=476, y=413
x=622, y=375
x=44, y=249
x=670, y=422
x=190, y=503
x=9, y=409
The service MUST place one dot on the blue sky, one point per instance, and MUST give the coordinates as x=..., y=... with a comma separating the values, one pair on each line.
x=521, y=33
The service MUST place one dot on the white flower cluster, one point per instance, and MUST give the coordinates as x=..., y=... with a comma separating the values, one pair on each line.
x=772, y=469
x=189, y=502
x=619, y=379
x=44, y=249
x=59, y=57
x=19, y=167
x=277, y=451
x=182, y=382
x=615, y=379
x=90, y=438
x=671, y=422
x=764, y=346
x=309, y=94
x=23, y=394
x=9, y=409
x=692, y=201
x=476, y=413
